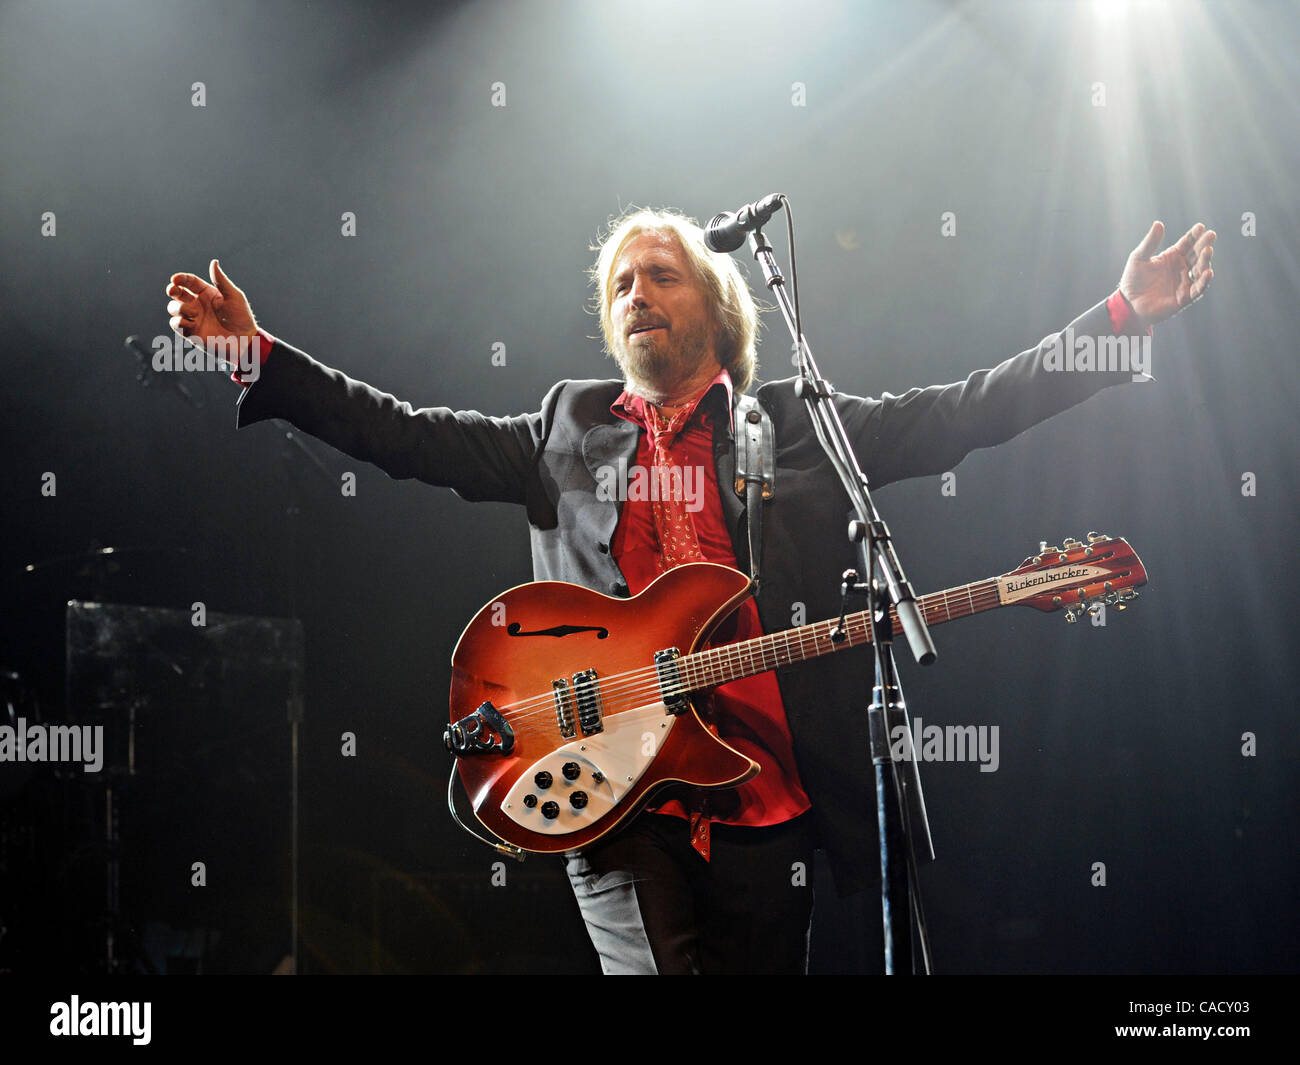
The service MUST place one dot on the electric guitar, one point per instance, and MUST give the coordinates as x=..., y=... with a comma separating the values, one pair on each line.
x=570, y=709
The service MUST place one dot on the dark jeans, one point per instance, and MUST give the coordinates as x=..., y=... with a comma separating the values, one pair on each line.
x=653, y=905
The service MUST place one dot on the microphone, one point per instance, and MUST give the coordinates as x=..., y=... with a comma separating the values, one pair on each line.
x=726, y=232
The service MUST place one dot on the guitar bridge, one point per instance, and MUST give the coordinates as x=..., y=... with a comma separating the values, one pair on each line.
x=484, y=731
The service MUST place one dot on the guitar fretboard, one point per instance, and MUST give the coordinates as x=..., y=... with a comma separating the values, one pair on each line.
x=720, y=665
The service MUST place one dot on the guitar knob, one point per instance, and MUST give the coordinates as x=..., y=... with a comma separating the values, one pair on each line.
x=530, y=800
x=543, y=780
x=550, y=810
x=571, y=770
x=578, y=800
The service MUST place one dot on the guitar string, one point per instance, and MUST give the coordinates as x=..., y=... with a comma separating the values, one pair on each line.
x=625, y=690
x=621, y=691
x=545, y=719
x=644, y=688
x=700, y=673
x=644, y=682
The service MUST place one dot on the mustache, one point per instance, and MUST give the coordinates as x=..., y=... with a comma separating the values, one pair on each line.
x=646, y=322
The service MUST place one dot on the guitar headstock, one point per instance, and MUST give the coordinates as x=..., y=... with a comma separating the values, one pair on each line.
x=1076, y=577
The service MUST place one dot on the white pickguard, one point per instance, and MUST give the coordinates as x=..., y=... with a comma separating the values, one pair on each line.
x=611, y=762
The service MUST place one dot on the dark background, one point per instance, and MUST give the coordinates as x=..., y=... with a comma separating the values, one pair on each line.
x=1119, y=744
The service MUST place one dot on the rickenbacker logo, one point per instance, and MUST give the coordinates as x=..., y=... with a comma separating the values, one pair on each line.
x=1013, y=588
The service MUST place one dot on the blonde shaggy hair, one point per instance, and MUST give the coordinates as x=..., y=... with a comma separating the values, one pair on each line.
x=734, y=310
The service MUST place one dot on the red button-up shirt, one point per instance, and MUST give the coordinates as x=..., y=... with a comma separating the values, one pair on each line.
x=748, y=713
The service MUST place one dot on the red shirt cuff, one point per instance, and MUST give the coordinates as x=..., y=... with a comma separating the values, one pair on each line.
x=265, y=342
x=1123, y=319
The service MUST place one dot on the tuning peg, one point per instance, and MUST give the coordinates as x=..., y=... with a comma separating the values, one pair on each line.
x=1044, y=551
x=1070, y=615
x=1125, y=597
x=1070, y=543
x=1093, y=537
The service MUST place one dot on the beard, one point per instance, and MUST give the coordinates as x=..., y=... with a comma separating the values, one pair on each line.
x=658, y=362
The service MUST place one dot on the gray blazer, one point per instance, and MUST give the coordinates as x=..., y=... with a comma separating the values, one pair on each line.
x=548, y=461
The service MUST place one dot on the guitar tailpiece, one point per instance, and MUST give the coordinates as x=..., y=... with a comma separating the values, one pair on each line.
x=484, y=731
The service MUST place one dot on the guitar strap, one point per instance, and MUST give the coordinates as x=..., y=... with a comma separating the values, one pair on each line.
x=754, y=455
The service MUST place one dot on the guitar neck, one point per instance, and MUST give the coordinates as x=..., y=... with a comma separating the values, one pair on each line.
x=720, y=665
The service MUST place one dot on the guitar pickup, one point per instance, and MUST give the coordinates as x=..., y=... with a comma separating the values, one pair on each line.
x=564, y=708
x=671, y=689
x=586, y=690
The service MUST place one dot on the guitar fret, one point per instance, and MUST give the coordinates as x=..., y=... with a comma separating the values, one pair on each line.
x=720, y=665
x=1103, y=569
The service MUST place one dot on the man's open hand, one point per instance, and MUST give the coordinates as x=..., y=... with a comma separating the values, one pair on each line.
x=200, y=311
x=1160, y=285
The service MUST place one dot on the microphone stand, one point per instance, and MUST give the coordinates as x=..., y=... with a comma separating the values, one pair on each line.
x=296, y=448
x=900, y=805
